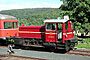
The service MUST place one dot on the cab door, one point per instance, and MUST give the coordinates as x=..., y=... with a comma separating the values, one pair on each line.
x=50, y=34
x=59, y=32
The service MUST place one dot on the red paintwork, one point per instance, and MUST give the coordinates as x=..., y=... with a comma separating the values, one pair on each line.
x=40, y=32
x=7, y=32
x=50, y=36
x=56, y=32
x=69, y=34
x=64, y=32
x=32, y=31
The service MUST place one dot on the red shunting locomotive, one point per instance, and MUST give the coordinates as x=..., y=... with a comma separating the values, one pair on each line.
x=56, y=33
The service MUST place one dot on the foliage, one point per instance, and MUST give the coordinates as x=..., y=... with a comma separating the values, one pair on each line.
x=34, y=16
x=86, y=44
x=24, y=13
x=79, y=11
x=38, y=18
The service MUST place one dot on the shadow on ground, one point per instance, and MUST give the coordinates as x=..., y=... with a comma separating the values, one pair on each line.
x=42, y=49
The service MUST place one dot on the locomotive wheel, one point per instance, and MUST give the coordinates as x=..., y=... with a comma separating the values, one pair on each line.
x=72, y=46
x=67, y=48
x=17, y=46
x=52, y=49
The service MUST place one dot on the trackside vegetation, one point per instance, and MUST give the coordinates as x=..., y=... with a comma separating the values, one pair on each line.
x=79, y=11
x=84, y=44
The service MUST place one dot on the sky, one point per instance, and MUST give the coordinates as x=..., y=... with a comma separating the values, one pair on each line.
x=20, y=4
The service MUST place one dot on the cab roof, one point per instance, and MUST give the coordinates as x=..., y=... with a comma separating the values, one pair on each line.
x=55, y=20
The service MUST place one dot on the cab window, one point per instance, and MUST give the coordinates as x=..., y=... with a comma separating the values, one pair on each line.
x=59, y=26
x=50, y=26
x=66, y=26
x=71, y=25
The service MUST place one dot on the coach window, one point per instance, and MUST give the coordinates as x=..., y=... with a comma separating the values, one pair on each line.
x=14, y=24
x=7, y=25
x=50, y=26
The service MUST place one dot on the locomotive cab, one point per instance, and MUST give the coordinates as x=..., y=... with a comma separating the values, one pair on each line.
x=53, y=32
x=59, y=33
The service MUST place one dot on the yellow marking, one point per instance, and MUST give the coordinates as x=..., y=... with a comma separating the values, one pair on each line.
x=67, y=33
x=9, y=29
x=50, y=36
x=29, y=32
x=35, y=32
x=50, y=33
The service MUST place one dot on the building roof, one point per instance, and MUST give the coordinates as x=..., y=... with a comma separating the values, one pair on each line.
x=7, y=17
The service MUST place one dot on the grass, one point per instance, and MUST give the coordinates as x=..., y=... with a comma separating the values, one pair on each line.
x=85, y=44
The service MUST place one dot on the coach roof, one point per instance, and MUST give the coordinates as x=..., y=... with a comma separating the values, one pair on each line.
x=7, y=17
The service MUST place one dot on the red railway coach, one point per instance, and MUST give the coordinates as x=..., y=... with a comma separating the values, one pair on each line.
x=8, y=27
x=56, y=33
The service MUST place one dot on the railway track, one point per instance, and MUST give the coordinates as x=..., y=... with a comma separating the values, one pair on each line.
x=79, y=52
x=3, y=46
x=12, y=57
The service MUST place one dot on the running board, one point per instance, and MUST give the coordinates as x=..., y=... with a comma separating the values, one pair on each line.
x=60, y=48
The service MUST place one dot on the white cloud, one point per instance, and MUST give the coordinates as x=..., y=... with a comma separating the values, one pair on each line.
x=10, y=6
x=7, y=0
x=46, y=4
x=32, y=4
x=3, y=1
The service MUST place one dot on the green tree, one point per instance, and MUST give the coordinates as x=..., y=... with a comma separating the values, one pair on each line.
x=79, y=11
x=38, y=18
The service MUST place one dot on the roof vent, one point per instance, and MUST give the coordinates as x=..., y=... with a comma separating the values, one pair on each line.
x=58, y=18
x=66, y=17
